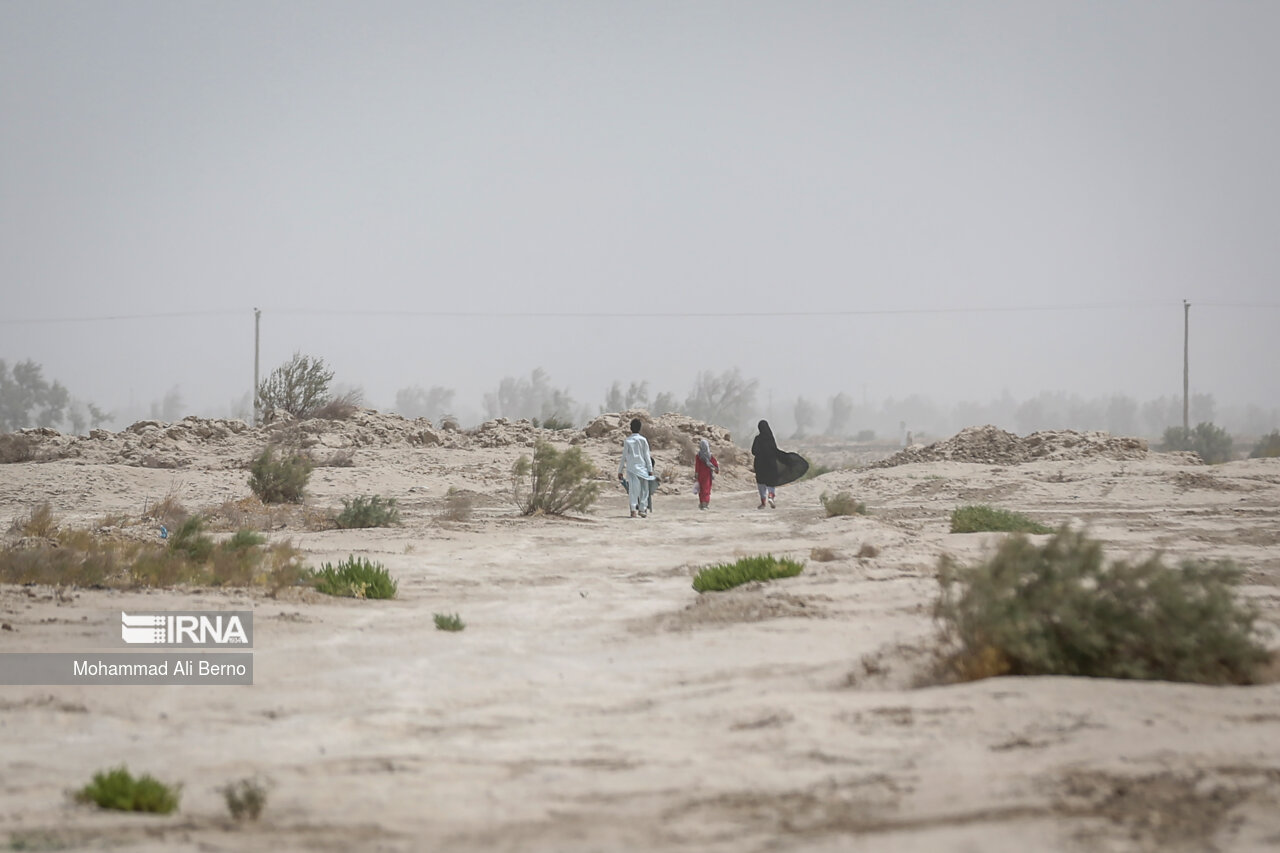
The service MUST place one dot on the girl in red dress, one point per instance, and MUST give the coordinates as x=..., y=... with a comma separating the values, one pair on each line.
x=706, y=467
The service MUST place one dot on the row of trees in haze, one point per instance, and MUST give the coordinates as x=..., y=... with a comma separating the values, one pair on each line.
x=728, y=398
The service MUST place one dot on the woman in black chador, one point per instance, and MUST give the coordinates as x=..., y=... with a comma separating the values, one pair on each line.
x=774, y=467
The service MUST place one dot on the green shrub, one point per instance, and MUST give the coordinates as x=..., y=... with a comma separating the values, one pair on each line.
x=980, y=518
x=245, y=538
x=300, y=386
x=279, y=480
x=1212, y=442
x=245, y=799
x=760, y=568
x=1267, y=447
x=1056, y=609
x=368, y=512
x=554, y=482
x=117, y=789
x=555, y=422
x=448, y=622
x=354, y=578
x=842, y=503
x=458, y=505
x=190, y=541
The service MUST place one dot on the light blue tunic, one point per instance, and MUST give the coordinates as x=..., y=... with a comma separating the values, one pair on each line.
x=636, y=465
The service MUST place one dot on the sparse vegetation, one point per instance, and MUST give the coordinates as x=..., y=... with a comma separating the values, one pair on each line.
x=16, y=447
x=554, y=482
x=117, y=789
x=245, y=799
x=191, y=541
x=868, y=551
x=279, y=480
x=980, y=518
x=1057, y=609
x=1267, y=447
x=300, y=386
x=39, y=521
x=458, y=505
x=368, y=512
x=340, y=408
x=817, y=471
x=824, y=555
x=1211, y=442
x=354, y=578
x=842, y=503
x=724, y=576
x=448, y=622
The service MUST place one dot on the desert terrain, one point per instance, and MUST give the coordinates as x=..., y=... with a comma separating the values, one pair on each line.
x=596, y=702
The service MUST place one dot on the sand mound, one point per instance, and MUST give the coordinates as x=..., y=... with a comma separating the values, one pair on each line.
x=993, y=446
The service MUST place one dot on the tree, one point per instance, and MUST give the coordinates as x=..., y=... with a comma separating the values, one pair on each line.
x=806, y=413
x=636, y=397
x=663, y=403
x=170, y=409
x=726, y=399
x=532, y=398
x=299, y=387
x=27, y=399
x=841, y=414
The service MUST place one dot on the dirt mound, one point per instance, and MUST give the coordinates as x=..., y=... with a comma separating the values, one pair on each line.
x=993, y=446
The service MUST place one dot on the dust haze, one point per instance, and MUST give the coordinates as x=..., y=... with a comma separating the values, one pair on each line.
x=943, y=212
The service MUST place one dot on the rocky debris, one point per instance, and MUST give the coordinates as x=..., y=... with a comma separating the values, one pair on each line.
x=501, y=432
x=991, y=445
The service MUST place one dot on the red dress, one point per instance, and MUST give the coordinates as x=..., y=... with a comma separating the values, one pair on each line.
x=704, y=478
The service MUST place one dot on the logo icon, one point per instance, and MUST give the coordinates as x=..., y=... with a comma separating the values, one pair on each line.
x=186, y=629
x=142, y=629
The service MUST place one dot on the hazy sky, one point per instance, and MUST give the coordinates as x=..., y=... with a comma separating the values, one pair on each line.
x=352, y=167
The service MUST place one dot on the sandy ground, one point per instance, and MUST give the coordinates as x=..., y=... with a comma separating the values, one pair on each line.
x=596, y=702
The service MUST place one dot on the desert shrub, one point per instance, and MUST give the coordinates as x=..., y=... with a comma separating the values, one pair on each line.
x=245, y=538
x=300, y=386
x=1056, y=609
x=1213, y=443
x=168, y=511
x=842, y=503
x=980, y=518
x=555, y=423
x=245, y=799
x=868, y=551
x=191, y=540
x=554, y=482
x=817, y=471
x=340, y=408
x=117, y=789
x=448, y=622
x=16, y=447
x=458, y=505
x=39, y=521
x=823, y=555
x=280, y=480
x=865, y=435
x=368, y=512
x=760, y=568
x=1267, y=447
x=354, y=578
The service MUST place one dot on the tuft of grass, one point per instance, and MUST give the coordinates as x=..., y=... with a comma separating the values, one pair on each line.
x=842, y=503
x=1059, y=609
x=817, y=471
x=354, y=578
x=117, y=789
x=824, y=555
x=245, y=799
x=368, y=512
x=980, y=518
x=765, y=567
x=281, y=480
x=39, y=521
x=448, y=622
x=868, y=551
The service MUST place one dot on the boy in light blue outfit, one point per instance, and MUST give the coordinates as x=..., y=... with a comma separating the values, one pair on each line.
x=636, y=469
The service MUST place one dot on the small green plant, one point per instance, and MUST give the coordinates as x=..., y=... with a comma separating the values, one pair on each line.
x=980, y=518
x=1058, y=609
x=724, y=576
x=368, y=512
x=191, y=541
x=448, y=622
x=1212, y=442
x=117, y=789
x=245, y=799
x=279, y=480
x=1267, y=447
x=842, y=503
x=554, y=482
x=354, y=578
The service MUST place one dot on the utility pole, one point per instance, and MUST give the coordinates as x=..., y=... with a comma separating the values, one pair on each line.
x=1186, y=366
x=257, y=323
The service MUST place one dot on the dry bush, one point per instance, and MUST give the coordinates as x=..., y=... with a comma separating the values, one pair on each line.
x=16, y=447
x=168, y=511
x=842, y=503
x=340, y=408
x=458, y=505
x=868, y=551
x=824, y=555
x=39, y=521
